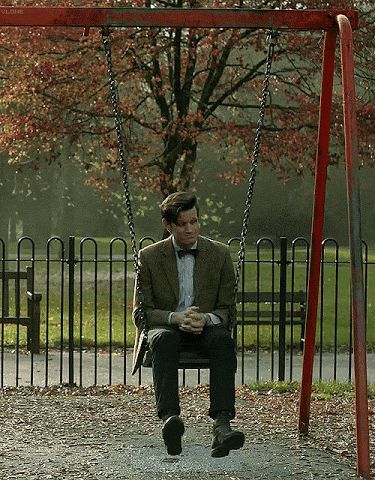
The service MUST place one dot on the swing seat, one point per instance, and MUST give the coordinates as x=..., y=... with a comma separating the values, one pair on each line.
x=191, y=359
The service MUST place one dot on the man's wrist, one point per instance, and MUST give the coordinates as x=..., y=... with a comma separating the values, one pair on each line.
x=212, y=320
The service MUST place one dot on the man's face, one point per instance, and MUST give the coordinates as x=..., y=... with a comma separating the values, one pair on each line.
x=186, y=230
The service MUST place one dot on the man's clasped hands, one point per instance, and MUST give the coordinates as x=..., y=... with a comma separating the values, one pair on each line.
x=190, y=320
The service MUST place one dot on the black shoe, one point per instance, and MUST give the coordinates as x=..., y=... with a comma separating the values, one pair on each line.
x=224, y=438
x=222, y=443
x=172, y=431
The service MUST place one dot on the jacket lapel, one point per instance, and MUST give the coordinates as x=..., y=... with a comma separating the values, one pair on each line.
x=169, y=265
x=202, y=262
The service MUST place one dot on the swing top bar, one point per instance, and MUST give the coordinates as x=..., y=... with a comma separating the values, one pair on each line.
x=174, y=17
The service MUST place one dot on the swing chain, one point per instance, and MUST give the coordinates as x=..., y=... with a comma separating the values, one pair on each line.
x=271, y=39
x=107, y=44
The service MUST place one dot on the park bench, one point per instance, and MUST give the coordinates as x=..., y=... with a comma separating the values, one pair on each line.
x=17, y=287
x=271, y=308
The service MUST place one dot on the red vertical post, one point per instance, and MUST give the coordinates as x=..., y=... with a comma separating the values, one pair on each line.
x=322, y=157
x=354, y=218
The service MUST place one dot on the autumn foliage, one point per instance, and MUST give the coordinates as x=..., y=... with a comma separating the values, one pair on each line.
x=179, y=89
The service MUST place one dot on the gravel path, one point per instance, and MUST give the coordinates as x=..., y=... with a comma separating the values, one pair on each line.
x=113, y=433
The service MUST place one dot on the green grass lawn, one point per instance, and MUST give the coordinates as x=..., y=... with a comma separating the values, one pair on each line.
x=320, y=390
x=103, y=317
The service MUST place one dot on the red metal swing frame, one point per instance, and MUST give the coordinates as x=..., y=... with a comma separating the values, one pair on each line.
x=333, y=22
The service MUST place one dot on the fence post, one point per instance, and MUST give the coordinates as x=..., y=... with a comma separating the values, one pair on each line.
x=71, y=265
x=282, y=308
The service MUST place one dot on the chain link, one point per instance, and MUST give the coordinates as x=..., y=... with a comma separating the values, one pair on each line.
x=271, y=38
x=107, y=43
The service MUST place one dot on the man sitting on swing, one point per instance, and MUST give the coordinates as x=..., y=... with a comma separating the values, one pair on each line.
x=187, y=283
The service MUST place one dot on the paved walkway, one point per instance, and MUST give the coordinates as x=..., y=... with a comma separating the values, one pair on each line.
x=103, y=369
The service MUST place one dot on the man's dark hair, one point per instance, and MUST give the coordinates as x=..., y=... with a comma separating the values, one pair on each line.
x=176, y=203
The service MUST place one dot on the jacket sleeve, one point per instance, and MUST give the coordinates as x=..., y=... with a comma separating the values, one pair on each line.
x=153, y=315
x=225, y=307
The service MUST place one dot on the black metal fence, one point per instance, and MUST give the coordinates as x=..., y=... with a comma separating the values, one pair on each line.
x=69, y=319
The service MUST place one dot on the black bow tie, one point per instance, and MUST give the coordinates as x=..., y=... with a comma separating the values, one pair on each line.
x=190, y=251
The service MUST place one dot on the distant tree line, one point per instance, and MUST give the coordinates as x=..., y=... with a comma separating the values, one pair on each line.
x=56, y=200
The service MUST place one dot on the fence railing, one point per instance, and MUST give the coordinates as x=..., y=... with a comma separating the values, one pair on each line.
x=85, y=328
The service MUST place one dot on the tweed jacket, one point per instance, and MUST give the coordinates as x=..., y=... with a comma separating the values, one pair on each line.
x=213, y=282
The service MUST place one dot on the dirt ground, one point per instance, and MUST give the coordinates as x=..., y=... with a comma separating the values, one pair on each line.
x=113, y=433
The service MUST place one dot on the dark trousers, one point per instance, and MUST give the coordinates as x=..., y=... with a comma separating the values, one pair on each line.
x=214, y=343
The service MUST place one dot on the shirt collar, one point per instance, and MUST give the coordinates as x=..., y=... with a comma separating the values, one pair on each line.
x=177, y=247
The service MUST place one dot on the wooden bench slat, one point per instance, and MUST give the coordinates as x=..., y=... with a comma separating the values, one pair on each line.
x=269, y=323
x=25, y=321
x=297, y=314
x=269, y=297
x=13, y=275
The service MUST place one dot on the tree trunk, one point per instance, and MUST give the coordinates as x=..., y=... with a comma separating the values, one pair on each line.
x=177, y=150
x=188, y=167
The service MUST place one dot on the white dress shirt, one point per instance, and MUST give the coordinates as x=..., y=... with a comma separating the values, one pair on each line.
x=185, y=268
